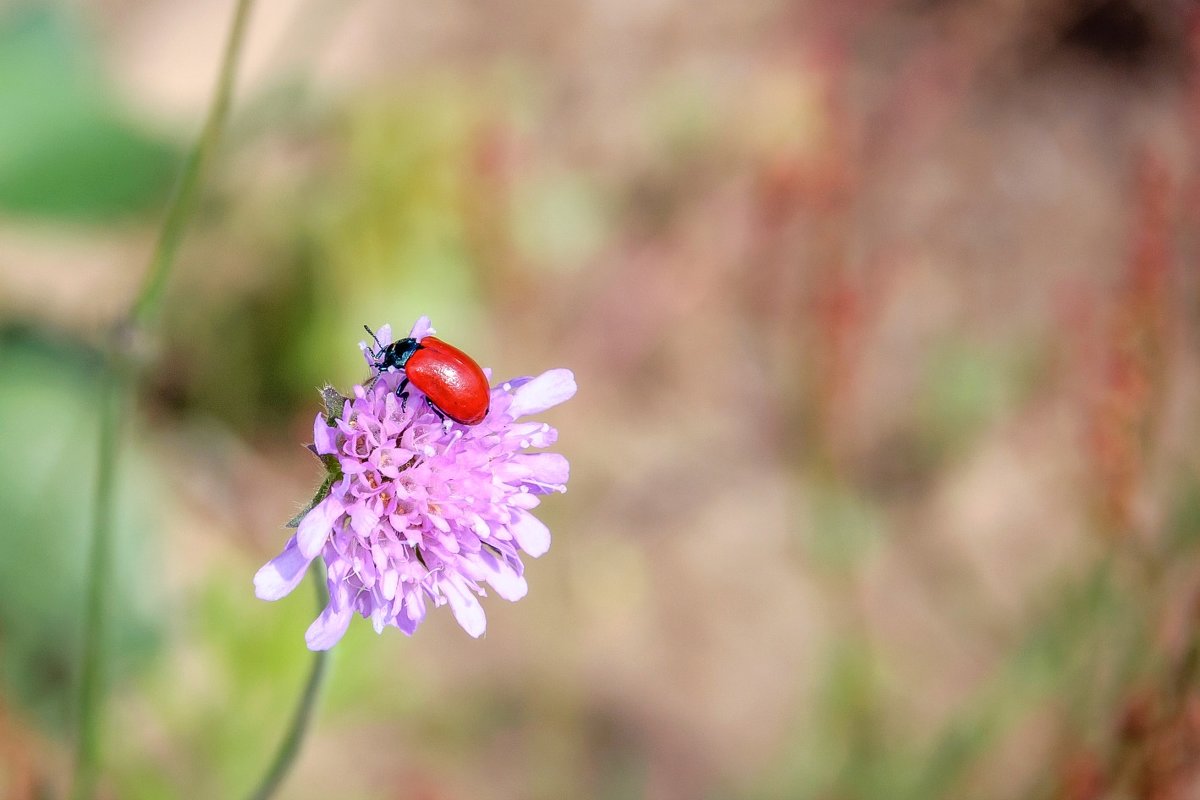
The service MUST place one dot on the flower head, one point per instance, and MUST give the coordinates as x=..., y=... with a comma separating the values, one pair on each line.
x=418, y=510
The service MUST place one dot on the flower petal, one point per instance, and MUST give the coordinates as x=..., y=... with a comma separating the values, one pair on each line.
x=281, y=574
x=383, y=337
x=315, y=527
x=362, y=519
x=391, y=579
x=412, y=614
x=524, y=499
x=531, y=534
x=378, y=618
x=329, y=628
x=466, y=608
x=548, y=468
x=324, y=436
x=538, y=472
x=545, y=391
x=421, y=329
x=502, y=577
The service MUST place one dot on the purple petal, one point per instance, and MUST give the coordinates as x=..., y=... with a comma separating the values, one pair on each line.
x=363, y=519
x=315, y=527
x=421, y=328
x=530, y=533
x=539, y=472
x=384, y=335
x=412, y=615
x=329, y=628
x=378, y=620
x=532, y=434
x=550, y=468
x=502, y=577
x=391, y=579
x=545, y=391
x=466, y=608
x=352, y=467
x=281, y=574
x=524, y=500
x=324, y=436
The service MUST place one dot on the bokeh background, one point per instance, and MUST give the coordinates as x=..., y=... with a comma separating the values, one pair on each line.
x=884, y=317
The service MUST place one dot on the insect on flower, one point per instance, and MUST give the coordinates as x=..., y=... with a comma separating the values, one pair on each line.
x=417, y=511
x=453, y=382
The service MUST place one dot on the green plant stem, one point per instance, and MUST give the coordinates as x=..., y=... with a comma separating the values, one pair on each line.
x=290, y=745
x=116, y=389
x=183, y=201
x=112, y=401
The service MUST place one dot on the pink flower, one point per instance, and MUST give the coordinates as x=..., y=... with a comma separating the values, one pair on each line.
x=418, y=510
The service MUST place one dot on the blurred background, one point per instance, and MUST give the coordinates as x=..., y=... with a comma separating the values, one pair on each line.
x=884, y=318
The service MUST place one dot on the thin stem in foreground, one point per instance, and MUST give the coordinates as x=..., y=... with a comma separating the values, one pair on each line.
x=290, y=745
x=183, y=201
x=117, y=383
x=92, y=681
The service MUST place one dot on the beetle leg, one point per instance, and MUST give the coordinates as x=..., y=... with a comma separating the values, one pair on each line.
x=403, y=395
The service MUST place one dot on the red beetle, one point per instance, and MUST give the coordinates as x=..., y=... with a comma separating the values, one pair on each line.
x=453, y=382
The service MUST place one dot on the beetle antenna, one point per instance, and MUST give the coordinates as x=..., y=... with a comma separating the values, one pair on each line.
x=378, y=346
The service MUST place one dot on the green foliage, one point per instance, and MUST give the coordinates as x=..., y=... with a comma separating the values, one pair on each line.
x=66, y=149
x=967, y=386
x=843, y=525
x=1183, y=524
x=559, y=219
x=334, y=405
x=395, y=225
x=230, y=714
x=238, y=356
x=48, y=433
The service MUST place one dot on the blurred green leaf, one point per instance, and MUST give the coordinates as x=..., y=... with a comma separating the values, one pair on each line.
x=967, y=386
x=1183, y=523
x=235, y=356
x=1070, y=656
x=842, y=527
x=223, y=694
x=66, y=149
x=559, y=219
x=48, y=428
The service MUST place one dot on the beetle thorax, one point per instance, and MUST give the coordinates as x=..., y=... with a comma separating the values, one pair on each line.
x=396, y=354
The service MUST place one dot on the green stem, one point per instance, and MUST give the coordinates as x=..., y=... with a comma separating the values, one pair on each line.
x=290, y=745
x=113, y=394
x=183, y=201
x=116, y=389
